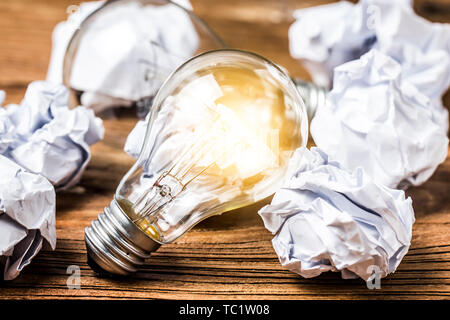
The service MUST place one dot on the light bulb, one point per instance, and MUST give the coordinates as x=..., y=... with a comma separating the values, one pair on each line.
x=220, y=134
x=123, y=51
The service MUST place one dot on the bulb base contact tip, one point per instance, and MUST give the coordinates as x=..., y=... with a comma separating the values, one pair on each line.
x=115, y=245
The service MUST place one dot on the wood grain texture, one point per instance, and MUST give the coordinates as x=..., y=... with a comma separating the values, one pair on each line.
x=228, y=256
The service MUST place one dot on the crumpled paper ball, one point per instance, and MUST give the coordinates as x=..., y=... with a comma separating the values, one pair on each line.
x=43, y=145
x=326, y=36
x=44, y=136
x=27, y=216
x=125, y=53
x=327, y=218
x=375, y=119
x=384, y=111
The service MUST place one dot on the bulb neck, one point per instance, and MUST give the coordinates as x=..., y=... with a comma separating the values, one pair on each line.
x=115, y=244
x=312, y=94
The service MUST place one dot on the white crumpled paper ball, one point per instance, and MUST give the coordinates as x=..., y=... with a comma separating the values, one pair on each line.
x=326, y=218
x=44, y=136
x=125, y=52
x=391, y=68
x=376, y=120
x=27, y=217
x=43, y=145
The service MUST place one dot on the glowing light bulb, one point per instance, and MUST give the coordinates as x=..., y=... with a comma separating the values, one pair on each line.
x=220, y=134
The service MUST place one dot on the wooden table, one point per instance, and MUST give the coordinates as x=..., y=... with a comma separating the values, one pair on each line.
x=228, y=256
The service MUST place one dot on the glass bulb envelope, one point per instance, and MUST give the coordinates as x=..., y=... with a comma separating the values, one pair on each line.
x=124, y=50
x=220, y=134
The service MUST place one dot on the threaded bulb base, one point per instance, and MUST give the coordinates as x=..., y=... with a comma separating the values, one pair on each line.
x=115, y=245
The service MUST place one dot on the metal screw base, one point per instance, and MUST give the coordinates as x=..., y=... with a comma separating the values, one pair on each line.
x=312, y=94
x=115, y=244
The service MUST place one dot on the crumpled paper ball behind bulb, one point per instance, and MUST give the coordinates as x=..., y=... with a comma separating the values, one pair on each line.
x=385, y=110
x=324, y=37
x=326, y=218
x=125, y=52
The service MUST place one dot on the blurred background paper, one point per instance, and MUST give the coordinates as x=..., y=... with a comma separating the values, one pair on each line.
x=375, y=119
x=44, y=136
x=383, y=125
x=124, y=52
